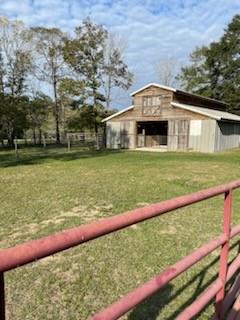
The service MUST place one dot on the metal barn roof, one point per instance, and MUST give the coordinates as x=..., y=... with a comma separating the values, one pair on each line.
x=211, y=113
x=154, y=85
x=176, y=91
x=117, y=113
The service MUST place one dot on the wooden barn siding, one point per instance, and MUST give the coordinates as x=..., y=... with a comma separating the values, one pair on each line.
x=121, y=130
x=168, y=112
x=178, y=135
x=112, y=135
x=205, y=141
x=227, y=135
x=120, y=134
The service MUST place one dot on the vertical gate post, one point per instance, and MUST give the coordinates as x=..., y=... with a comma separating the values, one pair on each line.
x=224, y=252
x=2, y=297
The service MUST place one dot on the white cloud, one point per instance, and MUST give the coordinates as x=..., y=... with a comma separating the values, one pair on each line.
x=153, y=28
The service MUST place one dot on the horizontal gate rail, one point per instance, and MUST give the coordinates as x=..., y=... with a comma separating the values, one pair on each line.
x=127, y=302
x=31, y=251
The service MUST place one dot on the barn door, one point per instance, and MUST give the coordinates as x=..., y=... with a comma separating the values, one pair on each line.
x=172, y=134
x=178, y=132
x=183, y=133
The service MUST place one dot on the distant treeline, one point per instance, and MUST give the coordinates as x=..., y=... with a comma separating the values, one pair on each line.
x=81, y=72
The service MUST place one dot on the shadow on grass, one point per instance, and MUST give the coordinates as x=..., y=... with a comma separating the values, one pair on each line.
x=151, y=308
x=9, y=159
x=31, y=155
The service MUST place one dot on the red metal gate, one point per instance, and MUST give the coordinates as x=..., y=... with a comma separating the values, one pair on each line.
x=31, y=251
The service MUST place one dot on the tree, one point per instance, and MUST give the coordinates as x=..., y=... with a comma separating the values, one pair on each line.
x=15, y=66
x=13, y=116
x=194, y=78
x=166, y=70
x=215, y=70
x=37, y=114
x=50, y=66
x=72, y=94
x=15, y=56
x=98, y=66
x=85, y=54
x=88, y=118
x=115, y=71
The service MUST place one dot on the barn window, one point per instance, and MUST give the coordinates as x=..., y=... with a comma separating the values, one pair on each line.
x=152, y=105
x=149, y=101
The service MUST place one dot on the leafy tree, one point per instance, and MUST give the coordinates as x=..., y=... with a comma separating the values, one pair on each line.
x=89, y=118
x=38, y=113
x=13, y=116
x=115, y=71
x=15, y=66
x=94, y=58
x=72, y=94
x=194, y=78
x=49, y=64
x=85, y=54
x=15, y=56
x=99, y=67
x=215, y=70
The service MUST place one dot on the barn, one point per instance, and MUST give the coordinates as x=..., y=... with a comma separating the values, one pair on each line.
x=165, y=118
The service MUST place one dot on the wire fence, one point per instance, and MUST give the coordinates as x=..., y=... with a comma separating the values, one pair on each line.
x=69, y=141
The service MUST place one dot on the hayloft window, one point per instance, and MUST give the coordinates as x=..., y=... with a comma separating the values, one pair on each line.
x=151, y=105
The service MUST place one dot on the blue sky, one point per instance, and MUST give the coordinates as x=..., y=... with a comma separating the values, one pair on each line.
x=153, y=29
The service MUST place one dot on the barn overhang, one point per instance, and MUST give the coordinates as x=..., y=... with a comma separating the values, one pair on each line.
x=118, y=113
x=210, y=113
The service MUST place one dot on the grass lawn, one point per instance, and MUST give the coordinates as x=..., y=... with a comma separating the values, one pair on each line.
x=46, y=192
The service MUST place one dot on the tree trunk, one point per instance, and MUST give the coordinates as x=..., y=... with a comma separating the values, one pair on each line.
x=12, y=138
x=34, y=135
x=40, y=136
x=104, y=136
x=108, y=100
x=56, y=113
x=95, y=124
x=96, y=134
x=108, y=95
x=10, y=135
x=25, y=138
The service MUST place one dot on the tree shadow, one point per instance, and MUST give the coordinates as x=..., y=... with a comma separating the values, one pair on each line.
x=152, y=307
x=59, y=154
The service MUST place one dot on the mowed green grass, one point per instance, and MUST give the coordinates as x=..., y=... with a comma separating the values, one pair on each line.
x=42, y=193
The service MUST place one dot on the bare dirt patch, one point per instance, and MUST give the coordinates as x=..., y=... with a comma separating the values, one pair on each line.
x=84, y=213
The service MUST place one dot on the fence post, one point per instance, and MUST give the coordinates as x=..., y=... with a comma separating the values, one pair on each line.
x=69, y=143
x=224, y=252
x=2, y=297
x=97, y=141
x=44, y=143
x=16, y=148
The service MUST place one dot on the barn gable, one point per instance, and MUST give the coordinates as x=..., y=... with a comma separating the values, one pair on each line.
x=153, y=103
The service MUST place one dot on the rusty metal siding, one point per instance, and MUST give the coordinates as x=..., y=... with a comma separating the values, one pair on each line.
x=202, y=135
x=227, y=135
